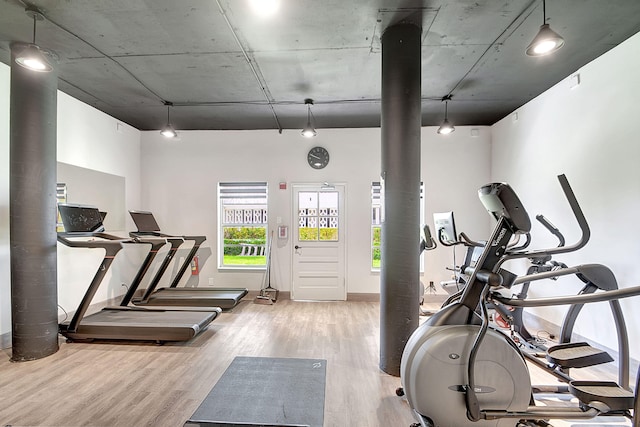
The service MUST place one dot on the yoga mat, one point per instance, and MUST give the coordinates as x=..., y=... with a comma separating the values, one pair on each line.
x=264, y=391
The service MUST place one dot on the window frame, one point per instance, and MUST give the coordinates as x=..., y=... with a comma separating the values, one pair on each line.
x=253, y=192
x=377, y=218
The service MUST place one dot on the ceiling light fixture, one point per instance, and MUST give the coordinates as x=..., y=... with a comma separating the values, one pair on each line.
x=265, y=8
x=309, y=130
x=168, y=131
x=546, y=41
x=32, y=57
x=446, y=128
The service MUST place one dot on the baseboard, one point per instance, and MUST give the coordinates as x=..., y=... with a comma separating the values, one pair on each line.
x=362, y=297
x=282, y=295
x=5, y=341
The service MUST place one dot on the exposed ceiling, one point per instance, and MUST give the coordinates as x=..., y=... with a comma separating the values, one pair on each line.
x=224, y=67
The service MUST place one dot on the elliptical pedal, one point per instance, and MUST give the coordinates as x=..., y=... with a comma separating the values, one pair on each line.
x=607, y=392
x=577, y=355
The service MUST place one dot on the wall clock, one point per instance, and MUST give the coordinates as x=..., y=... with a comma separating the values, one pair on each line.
x=318, y=157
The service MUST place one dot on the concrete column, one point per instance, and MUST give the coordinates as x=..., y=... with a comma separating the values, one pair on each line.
x=400, y=122
x=32, y=205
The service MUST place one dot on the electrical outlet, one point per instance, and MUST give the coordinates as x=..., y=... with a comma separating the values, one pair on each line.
x=210, y=281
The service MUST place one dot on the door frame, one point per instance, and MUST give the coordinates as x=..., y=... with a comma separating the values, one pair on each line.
x=318, y=186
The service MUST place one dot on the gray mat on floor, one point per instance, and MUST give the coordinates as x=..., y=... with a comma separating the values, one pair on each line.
x=264, y=391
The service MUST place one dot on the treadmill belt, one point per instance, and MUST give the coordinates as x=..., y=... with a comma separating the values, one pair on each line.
x=141, y=325
x=196, y=297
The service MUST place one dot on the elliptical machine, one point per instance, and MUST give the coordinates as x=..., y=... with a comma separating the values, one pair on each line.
x=558, y=359
x=456, y=371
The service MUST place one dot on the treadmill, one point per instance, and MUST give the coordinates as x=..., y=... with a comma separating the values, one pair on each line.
x=225, y=298
x=84, y=229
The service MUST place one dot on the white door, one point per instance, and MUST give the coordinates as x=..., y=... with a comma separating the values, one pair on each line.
x=318, y=240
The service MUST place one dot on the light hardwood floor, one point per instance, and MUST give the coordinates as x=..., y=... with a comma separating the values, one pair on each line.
x=107, y=384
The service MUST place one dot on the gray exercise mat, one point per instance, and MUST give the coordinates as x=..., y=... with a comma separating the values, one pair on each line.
x=264, y=391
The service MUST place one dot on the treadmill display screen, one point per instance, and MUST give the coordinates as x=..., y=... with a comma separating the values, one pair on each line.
x=144, y=221
x=78, y=218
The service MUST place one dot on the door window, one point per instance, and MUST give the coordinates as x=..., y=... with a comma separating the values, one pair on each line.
x=318, y=216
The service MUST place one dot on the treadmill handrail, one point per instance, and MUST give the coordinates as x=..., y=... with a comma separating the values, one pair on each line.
x=197, y=241
x=156, y=244
x=112, y=245
x=175, y=242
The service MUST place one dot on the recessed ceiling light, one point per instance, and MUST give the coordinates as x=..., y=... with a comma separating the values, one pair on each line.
x=265, y=8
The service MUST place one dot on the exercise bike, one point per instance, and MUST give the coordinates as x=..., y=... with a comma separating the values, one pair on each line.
x=456, y=371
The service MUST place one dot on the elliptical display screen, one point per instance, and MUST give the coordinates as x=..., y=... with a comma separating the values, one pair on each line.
x=445, y=226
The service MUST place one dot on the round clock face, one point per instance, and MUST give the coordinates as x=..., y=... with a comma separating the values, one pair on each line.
x=318, y=157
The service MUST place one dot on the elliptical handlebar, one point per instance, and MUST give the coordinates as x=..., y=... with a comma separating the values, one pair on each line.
x=580, y=218
x=465, y=240
x=552, y=229
x=523, y=246
x=444, y=242
x=427, y=243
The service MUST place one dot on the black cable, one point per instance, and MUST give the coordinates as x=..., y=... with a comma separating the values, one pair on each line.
x=63, y=28
x=66, y=315
x=528, y=7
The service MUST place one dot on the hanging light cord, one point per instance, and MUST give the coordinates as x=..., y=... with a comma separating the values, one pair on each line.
x=34, y=28
x=310, y=115
x=63, y=28
x=446, y=100
x=544, y=12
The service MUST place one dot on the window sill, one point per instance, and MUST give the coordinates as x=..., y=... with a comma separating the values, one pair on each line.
x=242, y=268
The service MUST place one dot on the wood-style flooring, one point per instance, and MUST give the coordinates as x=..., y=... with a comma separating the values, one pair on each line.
x=115, y=384
x=109, y=384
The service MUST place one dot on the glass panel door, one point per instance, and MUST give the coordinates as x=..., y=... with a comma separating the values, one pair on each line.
x=318, y=216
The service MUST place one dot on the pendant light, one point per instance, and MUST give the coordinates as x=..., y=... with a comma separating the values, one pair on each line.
x=168, y=131
x=446, y=128
x=546, y=41
x=309, y=131
x=32, y=57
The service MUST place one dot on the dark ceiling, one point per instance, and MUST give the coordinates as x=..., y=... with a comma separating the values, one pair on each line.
x=224, y=67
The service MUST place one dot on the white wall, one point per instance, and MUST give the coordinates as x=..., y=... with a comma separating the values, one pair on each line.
x=180, y=179
x=180, y=184
x=588, y=133
x=90, y=139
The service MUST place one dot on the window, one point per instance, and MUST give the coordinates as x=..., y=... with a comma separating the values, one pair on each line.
x=61, y=197
x=376, y=223
x=243, y=224
x=318, y=216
